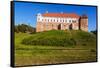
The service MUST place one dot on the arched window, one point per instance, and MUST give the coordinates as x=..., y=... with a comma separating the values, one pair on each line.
x=74, y=21
x=45, y=19
x=63, y=20
x=54, y=20
x=38, y=19
x=60, y=20
x=42, y=19
x=66, y=20
x=57, y=20
x=51, y=20
x=48, y=20
x=69, y=21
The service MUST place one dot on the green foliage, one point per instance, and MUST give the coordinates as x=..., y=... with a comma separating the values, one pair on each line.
x=92, y=50
x=24, y=28
x=53, y=54
x=60, y=38
x=94, y=32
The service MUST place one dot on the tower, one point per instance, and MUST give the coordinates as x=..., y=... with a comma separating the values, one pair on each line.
x=39, y=23
x=83, y=23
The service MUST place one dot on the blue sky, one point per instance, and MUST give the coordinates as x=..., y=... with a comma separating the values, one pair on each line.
x=25, y=12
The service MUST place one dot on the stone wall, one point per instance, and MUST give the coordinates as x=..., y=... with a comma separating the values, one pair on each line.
x=46, y=26
x=55, y=26
x=83, y=24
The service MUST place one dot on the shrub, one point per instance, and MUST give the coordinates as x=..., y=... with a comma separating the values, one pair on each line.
x=92, y=50
x=84, y=44
x=59, y=38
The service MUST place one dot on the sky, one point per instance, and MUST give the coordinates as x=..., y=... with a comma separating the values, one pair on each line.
x=25, y=12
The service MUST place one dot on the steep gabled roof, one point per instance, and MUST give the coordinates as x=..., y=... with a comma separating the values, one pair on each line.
x=70, y=15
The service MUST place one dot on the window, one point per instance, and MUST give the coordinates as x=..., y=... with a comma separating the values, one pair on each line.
x=38, y=18
x=42, y=19
x=51, y=20
x=66, y=20
x=45, y=19
x=57, y=20
x=70, y=21
x=60, y=20
x=63, y=20
x=54, y=20
x=74, y=21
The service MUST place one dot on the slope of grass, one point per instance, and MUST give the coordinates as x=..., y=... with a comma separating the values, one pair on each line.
x=83, y=50
x=60, y=38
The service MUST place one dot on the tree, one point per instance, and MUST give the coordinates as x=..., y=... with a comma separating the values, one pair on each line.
x=24, y=28
x=94, y=32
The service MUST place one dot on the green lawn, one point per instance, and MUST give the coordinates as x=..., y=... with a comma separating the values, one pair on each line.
x=47, y=53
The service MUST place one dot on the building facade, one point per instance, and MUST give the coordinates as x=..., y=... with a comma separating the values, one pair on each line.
x=61, y=21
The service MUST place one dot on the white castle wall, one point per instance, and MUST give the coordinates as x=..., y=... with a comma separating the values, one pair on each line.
x=40, y=18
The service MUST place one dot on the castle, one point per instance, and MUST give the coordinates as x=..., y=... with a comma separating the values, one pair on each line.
x=61, y=21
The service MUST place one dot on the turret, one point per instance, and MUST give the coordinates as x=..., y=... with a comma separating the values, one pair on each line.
x=39, y=17
x=83, y=23
x=39, y=24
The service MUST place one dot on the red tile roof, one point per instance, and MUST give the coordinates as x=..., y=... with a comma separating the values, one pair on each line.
x=70, y=15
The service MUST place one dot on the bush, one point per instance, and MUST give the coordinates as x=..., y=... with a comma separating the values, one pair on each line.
x=59, y=38
x=84, y=44
x=92, y=50
x=50, y=42
x=24, y=28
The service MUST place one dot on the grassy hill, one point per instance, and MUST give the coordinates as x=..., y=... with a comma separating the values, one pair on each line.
x=61, y=38
x=53, y=47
